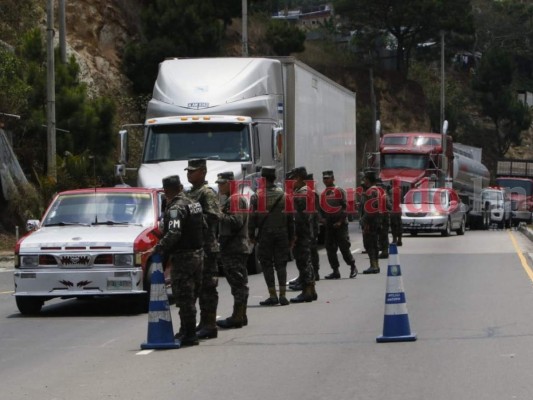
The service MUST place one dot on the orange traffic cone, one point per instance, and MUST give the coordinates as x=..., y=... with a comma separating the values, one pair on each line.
x=160, y=332
x=396, y=322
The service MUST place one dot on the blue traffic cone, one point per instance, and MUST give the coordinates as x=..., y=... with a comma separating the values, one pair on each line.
x=160, y=332
x=396, y=322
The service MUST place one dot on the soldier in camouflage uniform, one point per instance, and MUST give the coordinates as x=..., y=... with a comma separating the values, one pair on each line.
x=296, y=283
x=370, y=221
x=303, y=231
x=233, y=238
x=182, y=243
x=206, y=196
x=273, y=231
x=396, y=215
x=336, y=221
x=384, y=215
x=315, y=225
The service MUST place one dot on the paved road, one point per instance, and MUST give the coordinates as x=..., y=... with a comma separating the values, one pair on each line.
x=469, y=300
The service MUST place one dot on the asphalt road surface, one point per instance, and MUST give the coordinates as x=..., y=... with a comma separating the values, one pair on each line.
x=469, y=301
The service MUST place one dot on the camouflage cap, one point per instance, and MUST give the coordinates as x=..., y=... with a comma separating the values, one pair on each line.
x=327, y=174
x=268, y=171
x=223, y=177
x=171, y=182
x=298, y=172
x=196, y=163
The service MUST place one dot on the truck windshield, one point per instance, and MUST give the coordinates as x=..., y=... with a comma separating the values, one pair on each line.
x=226, y=142
x=492, y=196
x=516, y=185
x=409, y=161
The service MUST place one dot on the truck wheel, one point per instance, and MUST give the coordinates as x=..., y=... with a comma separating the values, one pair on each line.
x=29, y=305
x=462, y=228
x=448, y=229
x=414, y=233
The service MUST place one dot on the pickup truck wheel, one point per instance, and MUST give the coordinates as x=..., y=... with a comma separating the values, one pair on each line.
x=462, y=228
x=29, y=305
x=448, y=229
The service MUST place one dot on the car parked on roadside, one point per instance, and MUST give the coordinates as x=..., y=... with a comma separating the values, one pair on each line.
x=89, y=242
x=433, y=210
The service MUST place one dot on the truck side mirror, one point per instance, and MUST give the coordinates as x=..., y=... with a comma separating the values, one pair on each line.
x=123, y=143
x=277, y=144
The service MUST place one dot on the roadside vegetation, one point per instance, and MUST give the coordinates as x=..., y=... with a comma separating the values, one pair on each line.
x=488, y=59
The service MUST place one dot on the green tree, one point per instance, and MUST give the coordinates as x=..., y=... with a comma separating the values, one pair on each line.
x=84, y=124
x=497, y=96
x=176, y=28
x=409, y=22
x=285, y=38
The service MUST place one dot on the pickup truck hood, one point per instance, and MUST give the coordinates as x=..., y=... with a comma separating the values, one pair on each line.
x=118, y=237
x=150, y=175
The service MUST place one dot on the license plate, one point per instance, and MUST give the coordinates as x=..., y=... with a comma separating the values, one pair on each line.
x=119, y=284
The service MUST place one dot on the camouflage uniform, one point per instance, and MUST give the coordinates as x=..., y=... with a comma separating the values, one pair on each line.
x=234, y=251
x=370, y=222
x=384, y=214
x=337, y=236
x=273, y=230
x=395, y=217
x=315, y=230
x=207, y=197
x=302, y=249
x=182, y=243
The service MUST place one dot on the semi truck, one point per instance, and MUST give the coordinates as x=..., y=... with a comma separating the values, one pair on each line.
x=241, y=114
x=517, y=177
x=413, y=159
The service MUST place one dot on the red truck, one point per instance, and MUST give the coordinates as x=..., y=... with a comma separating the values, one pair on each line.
x=415, y=158
x=517, y=176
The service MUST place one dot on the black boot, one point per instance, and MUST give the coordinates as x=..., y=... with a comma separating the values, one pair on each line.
x=271, y=301
x=334, y=275
x=353, y=271
x=209, y=329
x=188, y=337
x=305, y=296
x=236, y=319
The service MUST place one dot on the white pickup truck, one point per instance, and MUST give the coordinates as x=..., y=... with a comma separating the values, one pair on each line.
x=90, y=242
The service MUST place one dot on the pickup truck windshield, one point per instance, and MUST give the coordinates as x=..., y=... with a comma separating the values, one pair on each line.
x=101, y=208
x=213, y=141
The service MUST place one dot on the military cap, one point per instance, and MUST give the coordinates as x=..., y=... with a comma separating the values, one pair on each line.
x=371, y=176
x=196, y=163
x=309, y=177
x=223, y=177
x=171, y=182
x=297, y=172
x=327, y=174
x=268, y=171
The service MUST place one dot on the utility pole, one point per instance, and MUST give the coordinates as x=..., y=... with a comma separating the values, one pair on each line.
x=50, y=94
x=443, y=128
x=62, y=32
x=442, y=82
x=245, y=28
